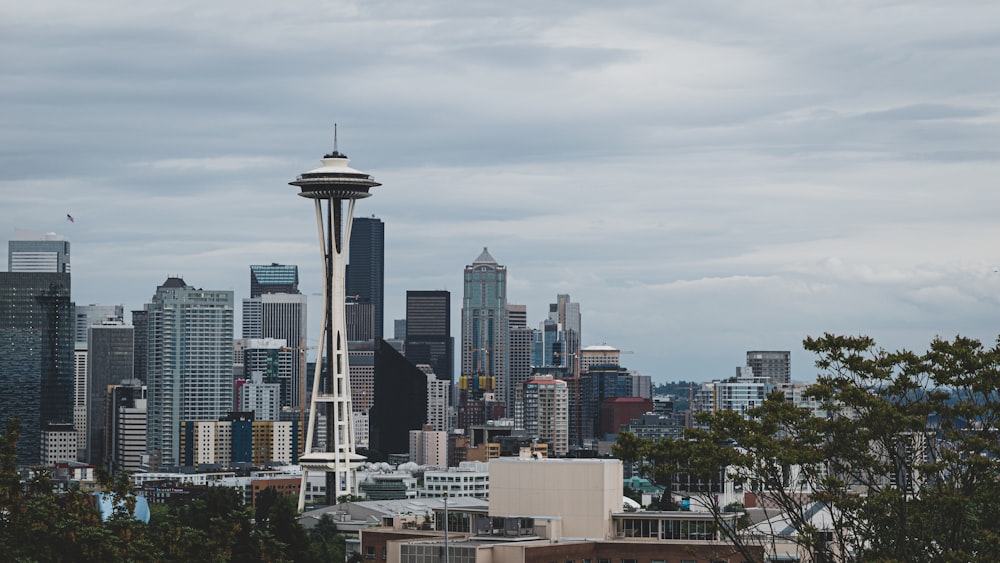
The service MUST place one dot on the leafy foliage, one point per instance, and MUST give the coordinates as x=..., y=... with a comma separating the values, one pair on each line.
x=38, y=524
x=906, y=460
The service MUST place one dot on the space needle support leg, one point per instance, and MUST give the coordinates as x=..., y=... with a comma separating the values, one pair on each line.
x=317, y=372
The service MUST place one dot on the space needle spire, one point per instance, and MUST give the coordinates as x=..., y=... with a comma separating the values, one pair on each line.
x=331, y=186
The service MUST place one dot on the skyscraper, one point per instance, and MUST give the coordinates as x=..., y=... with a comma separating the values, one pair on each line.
x=126, y=432
x=400, y=400
x=36, y=355
x=109, y=362
x=365, y=277
x=545, y=412
x=567, y=314
x=189, y=363
x=775, y=365
x=33, y=251
x=277, y=310
x=428, y=332
x=485, y=340
x=519, y=346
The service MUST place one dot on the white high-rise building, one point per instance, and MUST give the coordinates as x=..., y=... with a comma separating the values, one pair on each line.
x=281, y=316
x=189, y=363
x=545, y=412
x=437, y=399
x=429, y=447
x=263, y=399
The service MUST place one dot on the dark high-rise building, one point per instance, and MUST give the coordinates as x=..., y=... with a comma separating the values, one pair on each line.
x=273, y=278
x=140, y=320
x=36, y=355
x=109, y=362
x=365, y=276
x=598, y=384
x=776, y=365
x=428, y=332
x=400, y=400
x=360, y=318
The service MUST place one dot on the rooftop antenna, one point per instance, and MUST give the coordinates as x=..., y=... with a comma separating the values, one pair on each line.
x=335, y=137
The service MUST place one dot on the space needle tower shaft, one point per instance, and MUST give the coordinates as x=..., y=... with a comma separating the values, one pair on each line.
x=331, y=186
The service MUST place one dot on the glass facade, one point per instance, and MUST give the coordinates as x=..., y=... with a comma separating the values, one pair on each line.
x=36, y=355
x=428, y=331
x=484, y=323
x=273, y=278
x=365, y=274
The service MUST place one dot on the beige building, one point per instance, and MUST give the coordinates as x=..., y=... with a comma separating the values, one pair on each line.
x=601, y=355
x=544, y=510
x=580, y=495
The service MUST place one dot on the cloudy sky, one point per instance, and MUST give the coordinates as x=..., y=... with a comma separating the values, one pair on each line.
x=705, y=178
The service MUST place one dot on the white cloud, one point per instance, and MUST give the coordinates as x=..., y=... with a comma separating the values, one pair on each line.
x=704, y=178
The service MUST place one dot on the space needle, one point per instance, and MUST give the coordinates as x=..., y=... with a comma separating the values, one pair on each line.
x=333, y=184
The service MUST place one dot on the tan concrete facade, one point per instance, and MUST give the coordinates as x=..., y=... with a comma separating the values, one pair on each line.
x=581, y=493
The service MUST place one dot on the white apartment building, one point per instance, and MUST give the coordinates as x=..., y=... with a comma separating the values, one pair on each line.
x=263, y=399
x=469, y=479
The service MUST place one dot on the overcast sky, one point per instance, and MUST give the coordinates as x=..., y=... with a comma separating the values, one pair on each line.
x=705, y=178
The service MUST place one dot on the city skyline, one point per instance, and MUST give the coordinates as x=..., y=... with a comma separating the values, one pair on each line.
x=703, y=180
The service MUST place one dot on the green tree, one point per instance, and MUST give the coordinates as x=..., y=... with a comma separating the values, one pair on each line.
x=905, y=460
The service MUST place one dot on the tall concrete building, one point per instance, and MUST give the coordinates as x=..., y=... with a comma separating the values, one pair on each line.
x=545, y=412
x=276, y=310
x=85, y=317
x=126, y=426
x=33, y=251
x=520, y=340
x=365, y=277
x=774, y=365
x=189, y=363
x=428, y=332
x=109, y=362
x=485, y=329
x=437, y=399
x=36, y=355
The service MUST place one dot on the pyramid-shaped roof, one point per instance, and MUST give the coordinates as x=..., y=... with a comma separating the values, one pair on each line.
x=484, y=258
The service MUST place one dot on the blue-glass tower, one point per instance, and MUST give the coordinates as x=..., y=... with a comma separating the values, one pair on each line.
x=485, y=338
